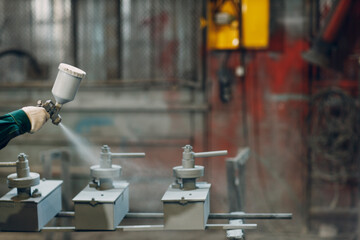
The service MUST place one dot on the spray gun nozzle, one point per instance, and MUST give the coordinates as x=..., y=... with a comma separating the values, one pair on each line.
x=52, y=109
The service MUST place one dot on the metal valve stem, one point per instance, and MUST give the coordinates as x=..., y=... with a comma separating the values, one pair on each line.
x=23, y=171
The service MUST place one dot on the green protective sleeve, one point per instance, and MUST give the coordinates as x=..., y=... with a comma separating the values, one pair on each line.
x=13, y=124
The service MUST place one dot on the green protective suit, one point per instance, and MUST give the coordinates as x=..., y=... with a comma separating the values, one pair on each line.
x=13, y=124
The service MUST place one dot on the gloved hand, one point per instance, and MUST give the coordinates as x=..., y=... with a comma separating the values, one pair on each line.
x=37, y=116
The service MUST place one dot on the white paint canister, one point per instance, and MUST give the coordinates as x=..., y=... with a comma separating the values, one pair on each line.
x=67, y=83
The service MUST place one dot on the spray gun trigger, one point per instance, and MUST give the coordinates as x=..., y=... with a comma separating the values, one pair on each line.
x=52, y=109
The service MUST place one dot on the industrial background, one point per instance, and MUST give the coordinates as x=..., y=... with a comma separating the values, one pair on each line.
x=275, y=82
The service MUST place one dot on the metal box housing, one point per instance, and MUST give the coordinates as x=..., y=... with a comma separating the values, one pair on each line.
x=101, y=209
x=33, y=213
x=186, y=210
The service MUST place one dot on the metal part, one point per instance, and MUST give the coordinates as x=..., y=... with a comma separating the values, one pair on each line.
x=235, y=172
x=235, y=233
x=7, y=164
x=25, y=210
x=141, y=228
x=188, y=172
x=101, y=209
x=231, y=226
x=186, y=210
x=110, y=172
x=32, y=213
x=58, y=229
x=229, y=216
x=66, y=214
x=250, y=216
x=104, y=173
x=322, y=51
x=52, y=109
x=23, y=179
x=14, y=181
x=187, y=204
x=104, y=203
x=127, y=155
x=136, y=228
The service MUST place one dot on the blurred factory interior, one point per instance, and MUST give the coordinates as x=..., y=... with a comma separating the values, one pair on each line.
x=274, y=82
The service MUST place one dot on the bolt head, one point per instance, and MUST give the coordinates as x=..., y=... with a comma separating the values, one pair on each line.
x=187, y=148
x=105, y=149
x=22, y=157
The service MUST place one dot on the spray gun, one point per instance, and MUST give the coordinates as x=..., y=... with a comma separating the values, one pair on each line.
x=64, y=89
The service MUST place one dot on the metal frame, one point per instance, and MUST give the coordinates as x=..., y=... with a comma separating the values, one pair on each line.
x=160, y=227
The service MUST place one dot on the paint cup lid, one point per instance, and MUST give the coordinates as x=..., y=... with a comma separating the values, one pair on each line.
x=73, y=71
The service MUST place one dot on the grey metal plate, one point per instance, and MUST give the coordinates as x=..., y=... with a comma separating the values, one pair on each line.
x=32, y=180
x=31, y=214
x=181, y=172
x=45, y=187
x=105, y=196
x=97, y=172
x=199, y=194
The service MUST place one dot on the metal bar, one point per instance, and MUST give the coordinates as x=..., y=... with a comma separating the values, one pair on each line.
x=58, y=229
x=7, y=164
x=250, y=216
x=231, y=226
x=244, y=101
x=211, y=154
x=66, y=214
x=141, y=228
x=127, y=155
x=235, y=169
x=211, y=215
x=194, y=53
x=133, y=228
x=144, y=215
x=74, y=30
x=152, y=38
x=204, y=50
x=119, y=38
